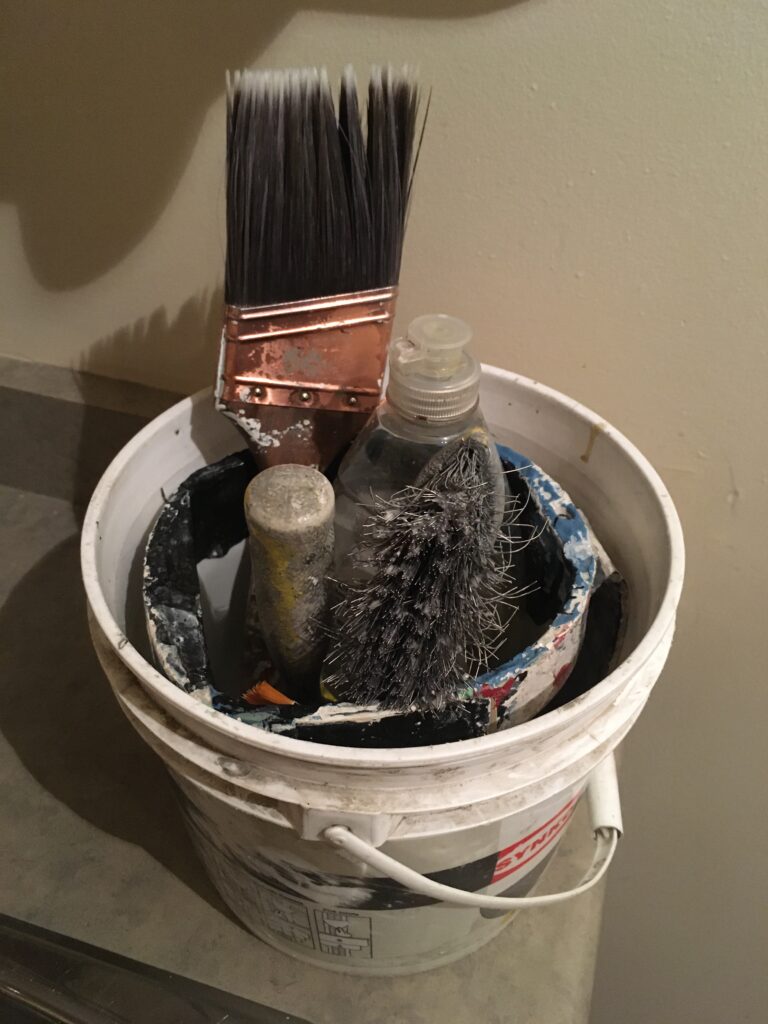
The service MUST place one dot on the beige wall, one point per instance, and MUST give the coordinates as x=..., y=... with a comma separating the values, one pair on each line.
x=593, y=198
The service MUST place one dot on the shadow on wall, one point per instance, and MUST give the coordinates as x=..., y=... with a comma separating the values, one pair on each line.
x=108, y=100
x=182, y=351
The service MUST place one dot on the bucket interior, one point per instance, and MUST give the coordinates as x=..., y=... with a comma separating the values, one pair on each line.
x=604, y=475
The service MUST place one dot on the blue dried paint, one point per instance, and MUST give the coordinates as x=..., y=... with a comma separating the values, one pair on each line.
x=570, y=528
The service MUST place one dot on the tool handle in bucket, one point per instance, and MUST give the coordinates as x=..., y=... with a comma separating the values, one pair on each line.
x=605, y=811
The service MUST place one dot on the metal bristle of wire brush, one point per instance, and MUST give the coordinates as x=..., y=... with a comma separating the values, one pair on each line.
x=316, y=199
x=427, y=610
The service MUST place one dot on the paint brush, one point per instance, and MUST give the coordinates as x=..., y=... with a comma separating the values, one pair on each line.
x=317, y=197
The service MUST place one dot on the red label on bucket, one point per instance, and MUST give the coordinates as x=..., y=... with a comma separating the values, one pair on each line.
x=524, y=850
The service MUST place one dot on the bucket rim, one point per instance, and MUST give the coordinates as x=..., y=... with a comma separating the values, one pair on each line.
x=207, y=719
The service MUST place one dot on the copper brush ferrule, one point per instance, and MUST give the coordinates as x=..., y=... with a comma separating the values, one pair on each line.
x=301, y=378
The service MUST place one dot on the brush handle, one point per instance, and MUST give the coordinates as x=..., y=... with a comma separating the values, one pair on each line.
x=289, y=510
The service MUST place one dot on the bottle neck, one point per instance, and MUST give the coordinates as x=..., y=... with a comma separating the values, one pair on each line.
x=393, y=420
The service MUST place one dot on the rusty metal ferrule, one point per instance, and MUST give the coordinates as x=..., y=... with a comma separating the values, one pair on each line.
x=301, y=379
x=326, y=353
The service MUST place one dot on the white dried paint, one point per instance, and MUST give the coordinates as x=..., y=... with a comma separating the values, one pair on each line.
x=266, y=438
x=252, y=428
x=168, y=657
x=346, y=713
x=578, y=549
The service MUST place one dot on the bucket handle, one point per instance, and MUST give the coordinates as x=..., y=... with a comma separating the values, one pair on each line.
x=605, y=812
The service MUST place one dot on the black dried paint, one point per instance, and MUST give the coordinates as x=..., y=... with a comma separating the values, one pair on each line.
x=204, y=518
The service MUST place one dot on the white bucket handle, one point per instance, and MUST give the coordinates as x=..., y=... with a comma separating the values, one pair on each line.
x=605, y=812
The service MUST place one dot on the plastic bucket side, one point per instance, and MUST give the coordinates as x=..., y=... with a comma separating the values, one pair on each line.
x=378, y=804
x=301, y=896
x=440, y=810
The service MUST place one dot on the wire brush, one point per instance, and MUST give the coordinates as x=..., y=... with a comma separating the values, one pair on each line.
x=425, y=612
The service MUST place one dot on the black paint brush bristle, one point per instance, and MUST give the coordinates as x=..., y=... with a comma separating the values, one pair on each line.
x=317, y=192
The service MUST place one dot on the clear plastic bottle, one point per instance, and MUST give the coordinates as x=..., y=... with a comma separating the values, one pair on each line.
x=431, y=399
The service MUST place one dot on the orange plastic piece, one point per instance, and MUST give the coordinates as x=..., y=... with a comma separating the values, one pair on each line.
x=264, y=693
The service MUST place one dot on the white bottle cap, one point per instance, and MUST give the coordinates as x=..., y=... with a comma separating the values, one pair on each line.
x=431, y=377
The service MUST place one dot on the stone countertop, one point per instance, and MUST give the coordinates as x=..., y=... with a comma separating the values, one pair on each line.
x=92, y=844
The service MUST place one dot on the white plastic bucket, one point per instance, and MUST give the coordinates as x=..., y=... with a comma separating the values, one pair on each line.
x=303, y=840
